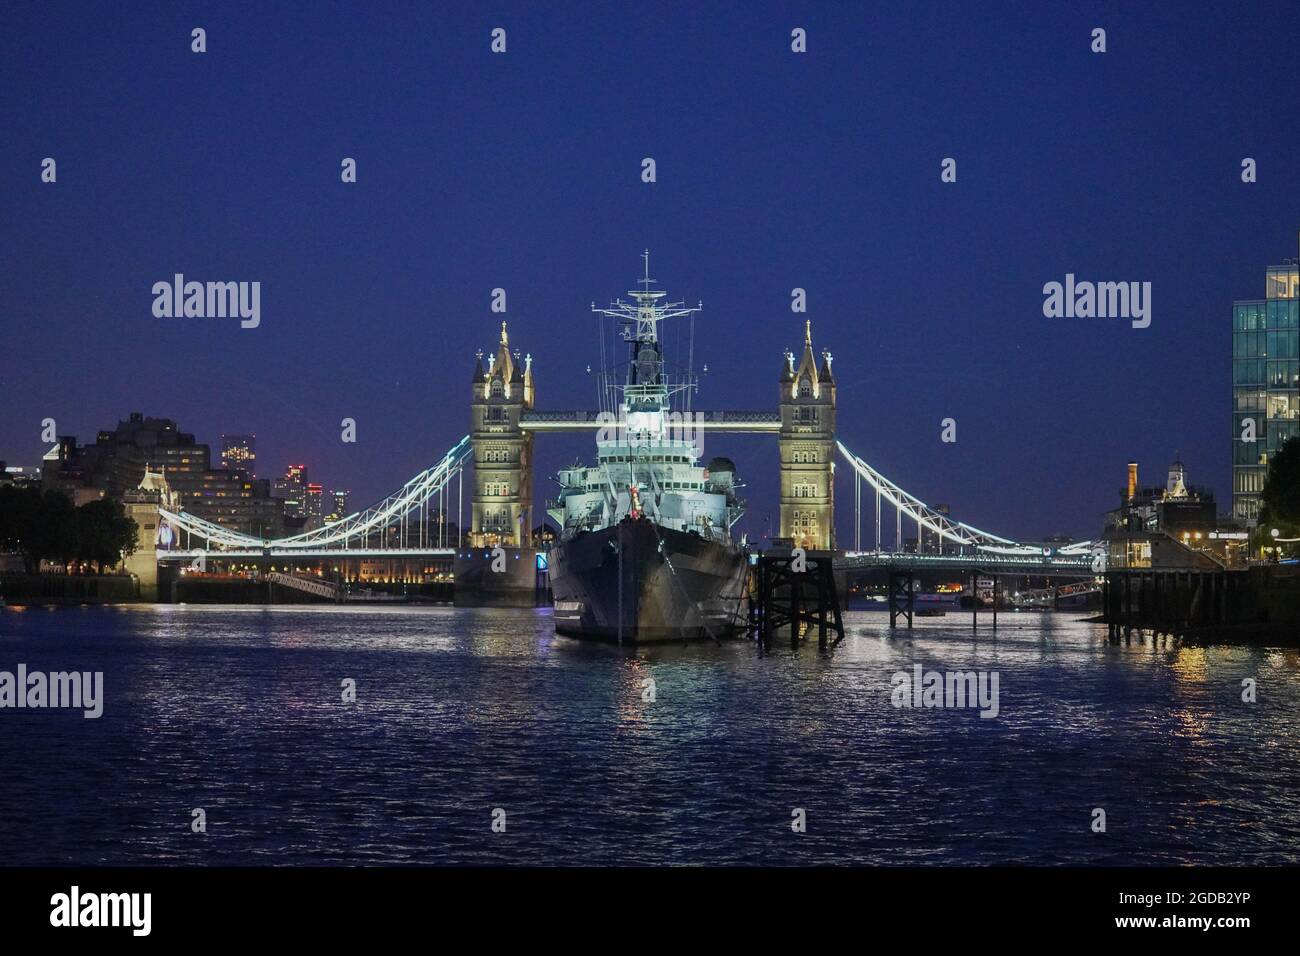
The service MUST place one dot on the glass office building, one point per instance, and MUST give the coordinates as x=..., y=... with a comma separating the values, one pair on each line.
x=1265, y=383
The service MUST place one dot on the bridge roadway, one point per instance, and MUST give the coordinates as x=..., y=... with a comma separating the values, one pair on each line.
x=1037, y=565
x=217, y=554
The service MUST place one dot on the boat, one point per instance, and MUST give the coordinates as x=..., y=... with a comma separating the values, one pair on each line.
x=645, y=551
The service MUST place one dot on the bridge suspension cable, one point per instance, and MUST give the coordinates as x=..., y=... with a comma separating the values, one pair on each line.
x=410, y=499
x=957, y=532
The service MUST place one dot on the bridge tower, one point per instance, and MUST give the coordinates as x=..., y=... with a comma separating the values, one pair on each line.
x=807, y=448
x=141, y=505
x=502, y=505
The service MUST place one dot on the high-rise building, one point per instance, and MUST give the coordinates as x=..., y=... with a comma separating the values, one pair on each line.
x=1265, y=383
x=233, y=500
x=116, y=464
x=340, y=509
x=292, y=488
x=238, y=453
x=313, y=505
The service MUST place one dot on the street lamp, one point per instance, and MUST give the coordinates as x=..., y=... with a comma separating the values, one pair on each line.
x=1277, y=551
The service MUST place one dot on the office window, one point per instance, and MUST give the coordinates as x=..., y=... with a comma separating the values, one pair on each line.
x=1248, y=480
x=1248, y=372
x=1248, y=399
x=1284, y=405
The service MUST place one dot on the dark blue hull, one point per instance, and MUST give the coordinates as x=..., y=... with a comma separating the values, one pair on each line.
x=636, y=583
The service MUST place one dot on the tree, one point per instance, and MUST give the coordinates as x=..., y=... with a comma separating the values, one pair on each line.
x=19, y=512
x=46, y=526
x=1280, y=501
x=54, y=533
x=104, y=532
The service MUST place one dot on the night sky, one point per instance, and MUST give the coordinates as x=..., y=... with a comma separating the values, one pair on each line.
x=775, y=170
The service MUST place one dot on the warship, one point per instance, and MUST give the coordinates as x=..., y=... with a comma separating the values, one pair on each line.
x=645, y=551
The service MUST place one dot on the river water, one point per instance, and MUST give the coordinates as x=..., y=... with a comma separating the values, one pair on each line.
x=459, y=712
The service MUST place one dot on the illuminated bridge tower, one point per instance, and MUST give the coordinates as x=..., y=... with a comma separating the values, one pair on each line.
x=503, y=452
x=807, y=448
x=142, y=504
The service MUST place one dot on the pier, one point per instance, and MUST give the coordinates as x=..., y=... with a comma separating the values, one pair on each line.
x=1248, y=603
x=797, y=591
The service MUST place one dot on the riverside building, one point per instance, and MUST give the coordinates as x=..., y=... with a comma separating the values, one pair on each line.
x=1265, y=383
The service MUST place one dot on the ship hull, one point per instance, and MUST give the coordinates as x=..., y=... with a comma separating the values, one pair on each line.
x=619, y=585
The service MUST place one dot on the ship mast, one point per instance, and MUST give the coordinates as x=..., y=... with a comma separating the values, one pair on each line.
x=646, y=385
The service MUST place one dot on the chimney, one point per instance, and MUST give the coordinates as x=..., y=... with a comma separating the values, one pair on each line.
x=1132, y=480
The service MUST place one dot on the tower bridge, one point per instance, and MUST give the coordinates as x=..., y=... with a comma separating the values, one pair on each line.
x=412, y=522
x=505, y=421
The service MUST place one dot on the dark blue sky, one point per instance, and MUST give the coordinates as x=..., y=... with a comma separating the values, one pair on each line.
x=775, y=170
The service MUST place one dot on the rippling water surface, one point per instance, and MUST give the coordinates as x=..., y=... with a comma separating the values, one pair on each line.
x=238, y=710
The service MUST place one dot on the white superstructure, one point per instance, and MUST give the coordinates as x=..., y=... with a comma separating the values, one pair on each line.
x=648, y=452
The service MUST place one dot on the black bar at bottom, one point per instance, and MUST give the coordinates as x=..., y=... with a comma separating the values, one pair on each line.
x=334, y=905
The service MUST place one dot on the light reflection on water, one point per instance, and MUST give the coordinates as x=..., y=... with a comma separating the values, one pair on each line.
x=238, y=710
